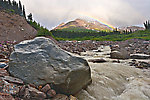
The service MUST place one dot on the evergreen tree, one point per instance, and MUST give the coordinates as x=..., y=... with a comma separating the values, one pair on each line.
x=9, y=2
x=130, y=30
x=14, y=3
x=24, y=13
x=147, y=25
x=11, y=6
x=20, y=5
x=30, y=17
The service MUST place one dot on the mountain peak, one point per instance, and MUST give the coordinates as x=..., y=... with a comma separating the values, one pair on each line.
x=84, y=24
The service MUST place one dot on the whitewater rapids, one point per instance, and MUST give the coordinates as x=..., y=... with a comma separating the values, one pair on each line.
x=115, y=81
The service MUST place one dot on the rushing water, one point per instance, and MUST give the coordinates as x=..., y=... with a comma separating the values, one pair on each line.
x=115, y=81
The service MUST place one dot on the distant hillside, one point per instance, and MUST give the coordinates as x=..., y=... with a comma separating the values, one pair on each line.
x=83, y=24
x=132, y=28
x=15, y=28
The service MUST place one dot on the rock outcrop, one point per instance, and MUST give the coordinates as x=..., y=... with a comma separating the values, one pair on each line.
x=40, y=61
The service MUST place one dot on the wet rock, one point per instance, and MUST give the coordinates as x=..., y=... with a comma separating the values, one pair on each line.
x=122, y=54
x=97, y=60
x=139, y=56
x=60, y=97
x=51, y=93
x=47, y=63
x=5, y=96
x=3, y=65
x=46, y=88
x=13, y=80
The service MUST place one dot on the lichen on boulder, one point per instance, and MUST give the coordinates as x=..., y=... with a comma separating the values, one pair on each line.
x=40, y=61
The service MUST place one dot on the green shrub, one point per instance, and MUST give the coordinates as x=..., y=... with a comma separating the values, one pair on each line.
x=41, y=30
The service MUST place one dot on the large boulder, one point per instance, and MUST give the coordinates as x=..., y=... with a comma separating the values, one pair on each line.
x=121, y=54
x=40, y=61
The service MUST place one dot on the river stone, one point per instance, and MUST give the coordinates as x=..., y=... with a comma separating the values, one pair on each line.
x=40, y=61
x=121, y=54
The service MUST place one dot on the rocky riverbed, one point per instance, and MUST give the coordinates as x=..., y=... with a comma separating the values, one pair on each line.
x=116, y=79
x=132, y=46
x=121, y=78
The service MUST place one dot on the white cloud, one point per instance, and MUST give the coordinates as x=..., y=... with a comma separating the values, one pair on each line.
x=116, y=12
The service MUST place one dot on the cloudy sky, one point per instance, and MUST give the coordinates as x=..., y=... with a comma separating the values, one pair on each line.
x=118, y=13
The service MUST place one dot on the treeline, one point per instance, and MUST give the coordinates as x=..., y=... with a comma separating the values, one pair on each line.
x=147, y=25
x=80, y=33
x=17, y=8
x=40, y=29
x=115, y=35
x=143, y=34
x=13, y=7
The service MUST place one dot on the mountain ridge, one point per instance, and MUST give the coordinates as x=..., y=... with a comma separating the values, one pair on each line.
x=83, y=24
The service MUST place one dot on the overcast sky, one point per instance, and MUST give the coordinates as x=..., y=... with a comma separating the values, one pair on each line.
x=118, y=13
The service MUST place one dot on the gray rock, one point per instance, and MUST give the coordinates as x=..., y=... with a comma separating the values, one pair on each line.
x=40, y=61
x=122, y=54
